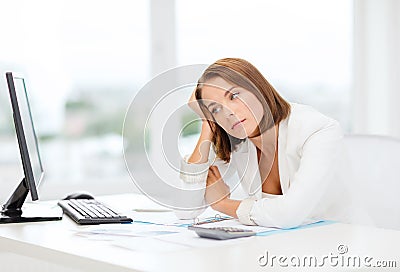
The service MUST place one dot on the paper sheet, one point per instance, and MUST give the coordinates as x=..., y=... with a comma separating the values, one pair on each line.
x=170, y=219
x=234, y=223
x=163, y=232
x=146, y=244
x=191, y=240
x=115, y=231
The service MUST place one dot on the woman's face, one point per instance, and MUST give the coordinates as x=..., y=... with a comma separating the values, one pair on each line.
x=235, y=109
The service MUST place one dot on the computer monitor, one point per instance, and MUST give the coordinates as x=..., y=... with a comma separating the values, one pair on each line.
x=12, y=211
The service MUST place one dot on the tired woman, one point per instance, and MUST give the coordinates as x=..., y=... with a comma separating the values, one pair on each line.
x=287, y=155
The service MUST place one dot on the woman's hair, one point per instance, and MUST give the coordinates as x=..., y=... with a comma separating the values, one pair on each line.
x=241, y=73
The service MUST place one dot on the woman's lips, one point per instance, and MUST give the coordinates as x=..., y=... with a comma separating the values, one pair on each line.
x=237, y=123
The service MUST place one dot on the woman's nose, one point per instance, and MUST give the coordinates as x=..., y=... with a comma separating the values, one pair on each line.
x=229, y=112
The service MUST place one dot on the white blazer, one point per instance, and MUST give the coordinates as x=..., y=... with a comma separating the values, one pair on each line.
x=311, y=167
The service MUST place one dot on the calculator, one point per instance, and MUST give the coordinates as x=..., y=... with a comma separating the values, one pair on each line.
x=221, y=233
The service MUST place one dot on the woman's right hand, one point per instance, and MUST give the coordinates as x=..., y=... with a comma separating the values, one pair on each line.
x=201, y=151
x=194, y=105
x=206, y=132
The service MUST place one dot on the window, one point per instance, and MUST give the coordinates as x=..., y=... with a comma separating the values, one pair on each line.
x=84, y=60
x=302, y=47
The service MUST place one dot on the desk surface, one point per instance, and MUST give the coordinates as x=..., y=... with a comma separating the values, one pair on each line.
x=54, y=246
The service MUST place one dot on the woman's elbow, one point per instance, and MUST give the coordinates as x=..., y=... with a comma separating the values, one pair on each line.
x=287, y=221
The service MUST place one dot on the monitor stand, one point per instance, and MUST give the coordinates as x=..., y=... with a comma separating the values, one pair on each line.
x=13, y=212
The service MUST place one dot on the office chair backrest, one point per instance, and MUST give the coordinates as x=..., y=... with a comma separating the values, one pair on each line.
x=375, y=162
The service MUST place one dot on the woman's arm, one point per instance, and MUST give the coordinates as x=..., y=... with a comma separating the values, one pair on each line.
x=194, y=171
x=201, y=151
x=218, y=193
x=321, y=155
x=194, y=168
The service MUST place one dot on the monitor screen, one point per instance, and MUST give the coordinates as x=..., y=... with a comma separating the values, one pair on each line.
x=26, y=135
x=29, y=130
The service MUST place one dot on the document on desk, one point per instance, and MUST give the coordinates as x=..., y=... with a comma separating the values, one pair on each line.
x=112, y=232
x=163, y=232
x=170, y=219
x=191, y=239
x=148, y=237
x=185, y=239
x=263, y=231
x=147, y=224
x=234, y=223
x=136, y=237
x=182, y=239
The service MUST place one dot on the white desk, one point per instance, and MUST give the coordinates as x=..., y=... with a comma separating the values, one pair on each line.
x=53, y=246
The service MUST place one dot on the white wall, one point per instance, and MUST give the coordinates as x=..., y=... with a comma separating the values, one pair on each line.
x=376, y=92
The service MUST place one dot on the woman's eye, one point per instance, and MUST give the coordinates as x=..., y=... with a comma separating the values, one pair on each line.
x=215, y=110
x=234, y=95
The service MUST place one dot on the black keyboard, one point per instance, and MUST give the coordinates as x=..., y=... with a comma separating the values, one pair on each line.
x=91, y=212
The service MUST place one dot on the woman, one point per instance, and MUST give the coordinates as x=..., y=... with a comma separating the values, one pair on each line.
x=287, y=155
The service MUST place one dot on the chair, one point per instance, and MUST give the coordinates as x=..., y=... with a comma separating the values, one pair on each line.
x=375, y=166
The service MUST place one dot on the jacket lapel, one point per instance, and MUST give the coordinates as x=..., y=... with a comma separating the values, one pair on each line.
x=245, y=159
x=282, y=158
x=246, y=162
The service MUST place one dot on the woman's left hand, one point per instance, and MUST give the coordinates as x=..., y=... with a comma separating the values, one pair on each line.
x=216, y=190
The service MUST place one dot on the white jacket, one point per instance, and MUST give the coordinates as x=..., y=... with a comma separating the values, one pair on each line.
x=312, y=172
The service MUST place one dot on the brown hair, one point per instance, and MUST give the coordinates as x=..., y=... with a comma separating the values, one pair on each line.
x=243, y=74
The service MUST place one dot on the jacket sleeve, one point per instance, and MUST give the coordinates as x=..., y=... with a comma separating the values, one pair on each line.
x=320, y=154
x=193, y=183
x=193, y=178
